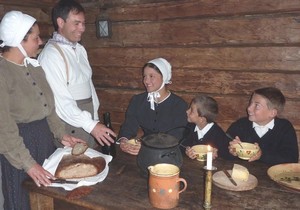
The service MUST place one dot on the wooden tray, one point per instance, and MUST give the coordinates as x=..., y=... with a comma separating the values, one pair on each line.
x=286, y=175
x=222, y=181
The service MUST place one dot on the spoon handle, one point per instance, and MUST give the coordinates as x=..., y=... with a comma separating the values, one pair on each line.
x=229, y=136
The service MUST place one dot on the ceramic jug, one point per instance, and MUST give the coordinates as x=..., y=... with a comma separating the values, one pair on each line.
x=164, y=185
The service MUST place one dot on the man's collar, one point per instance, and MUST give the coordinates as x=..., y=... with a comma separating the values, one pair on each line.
x=61, y=39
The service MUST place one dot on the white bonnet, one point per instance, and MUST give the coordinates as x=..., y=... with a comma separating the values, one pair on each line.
x=164, y=67
x=13, y=28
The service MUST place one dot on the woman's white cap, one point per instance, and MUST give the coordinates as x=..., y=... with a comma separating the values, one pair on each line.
x=165, y=69
x=13, y=28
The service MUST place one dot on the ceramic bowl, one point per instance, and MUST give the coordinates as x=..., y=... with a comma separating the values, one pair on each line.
x=133, y=142
x=246, y=150
x=201, y=151
x=132, y=146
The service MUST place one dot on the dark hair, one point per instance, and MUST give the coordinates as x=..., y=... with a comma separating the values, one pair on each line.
x=7, y=48
x=275, y=98
x=153, y=66
x=206, y=107
x=62, y=10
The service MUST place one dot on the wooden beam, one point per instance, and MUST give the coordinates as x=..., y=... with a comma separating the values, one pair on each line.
x=29, y=3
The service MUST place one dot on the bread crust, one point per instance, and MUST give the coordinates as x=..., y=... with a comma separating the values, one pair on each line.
x=81, y=166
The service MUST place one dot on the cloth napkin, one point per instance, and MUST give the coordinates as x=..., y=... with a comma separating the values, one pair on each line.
x=52, y=162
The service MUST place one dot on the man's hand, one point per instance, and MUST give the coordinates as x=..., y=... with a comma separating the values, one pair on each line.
x=103, y=134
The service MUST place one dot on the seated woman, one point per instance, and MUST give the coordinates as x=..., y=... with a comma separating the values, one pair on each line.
x=156, y=110
x=201, y=115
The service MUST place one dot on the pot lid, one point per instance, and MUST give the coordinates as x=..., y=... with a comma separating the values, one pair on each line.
x=160, y=140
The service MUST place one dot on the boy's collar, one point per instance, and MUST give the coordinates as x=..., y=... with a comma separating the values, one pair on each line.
x=269, y=125
x=202, y=132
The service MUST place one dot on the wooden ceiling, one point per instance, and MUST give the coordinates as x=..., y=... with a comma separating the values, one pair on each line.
x=85, y=3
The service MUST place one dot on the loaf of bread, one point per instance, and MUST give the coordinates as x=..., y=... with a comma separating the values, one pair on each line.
x=81, y=166
x=240, y=172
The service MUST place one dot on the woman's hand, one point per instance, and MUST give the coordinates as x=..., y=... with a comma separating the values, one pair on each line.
x=70, y=141
x=132, y=149
x=190, y=153
x=232, y=144
x=39, y=175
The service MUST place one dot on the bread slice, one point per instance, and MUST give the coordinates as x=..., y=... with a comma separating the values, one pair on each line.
x=79, y=148
x=81, y=166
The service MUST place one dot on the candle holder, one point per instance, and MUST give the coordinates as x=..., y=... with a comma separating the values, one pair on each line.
x=208, y=187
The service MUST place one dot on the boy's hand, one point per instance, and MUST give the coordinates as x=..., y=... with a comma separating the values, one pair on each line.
x=190, y=153
x=258, y=154
x=232, y=144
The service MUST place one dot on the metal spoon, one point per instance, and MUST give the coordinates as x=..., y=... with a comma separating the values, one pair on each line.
x=228, y=135
x=182, y=146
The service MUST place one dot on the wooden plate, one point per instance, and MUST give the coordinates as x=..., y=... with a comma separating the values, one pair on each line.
x=286, y=175
x=222, y=181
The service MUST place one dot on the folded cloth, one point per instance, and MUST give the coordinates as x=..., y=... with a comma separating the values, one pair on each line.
x=52, y=162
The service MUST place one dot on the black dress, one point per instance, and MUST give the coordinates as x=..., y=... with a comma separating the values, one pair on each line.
x=167, y=116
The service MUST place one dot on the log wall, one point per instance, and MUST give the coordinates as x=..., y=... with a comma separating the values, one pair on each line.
x=225, y=49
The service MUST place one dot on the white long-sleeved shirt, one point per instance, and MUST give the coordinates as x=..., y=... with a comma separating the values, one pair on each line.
x=80, y=84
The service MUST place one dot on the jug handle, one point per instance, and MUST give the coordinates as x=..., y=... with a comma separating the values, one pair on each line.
x=184, y=183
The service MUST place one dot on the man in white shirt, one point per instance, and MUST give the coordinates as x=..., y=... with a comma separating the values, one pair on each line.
x=69, y=74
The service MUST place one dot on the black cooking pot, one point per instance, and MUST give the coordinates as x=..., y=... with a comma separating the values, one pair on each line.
x=158, y=148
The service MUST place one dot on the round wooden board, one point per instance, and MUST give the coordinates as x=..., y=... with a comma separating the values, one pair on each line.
x=222, y=181
x=286, y=175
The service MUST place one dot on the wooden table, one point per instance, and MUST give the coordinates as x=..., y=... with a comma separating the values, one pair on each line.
x=128, y=190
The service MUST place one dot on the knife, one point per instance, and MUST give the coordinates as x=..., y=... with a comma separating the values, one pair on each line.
x=64, y=181
x=229, y=177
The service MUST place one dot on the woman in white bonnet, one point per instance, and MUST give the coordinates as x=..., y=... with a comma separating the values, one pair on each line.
x=157, y=109
x=28, y=122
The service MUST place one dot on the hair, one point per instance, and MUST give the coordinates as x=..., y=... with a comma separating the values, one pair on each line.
x=275, y=98
x=153, y=66
x=62, y=10
x=206, y=107
x=7, y=48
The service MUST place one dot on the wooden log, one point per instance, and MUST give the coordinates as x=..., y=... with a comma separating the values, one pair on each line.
x=269, y=59
x=123, y=10
x=220, y=31
x=202, y=80
x=29, y=3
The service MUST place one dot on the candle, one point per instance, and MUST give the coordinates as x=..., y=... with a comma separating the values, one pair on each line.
x=209, y=158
